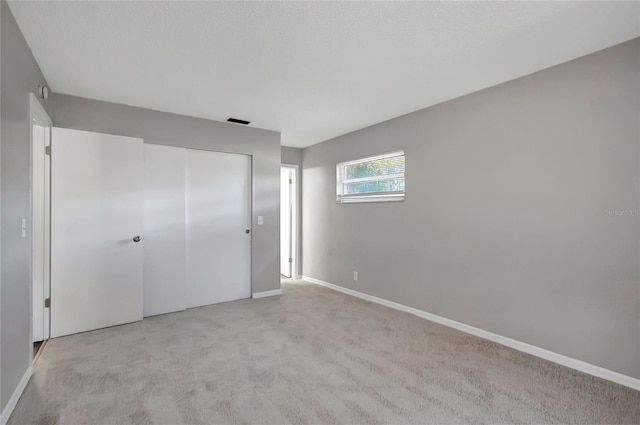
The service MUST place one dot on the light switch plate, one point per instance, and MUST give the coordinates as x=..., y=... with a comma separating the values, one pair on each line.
x=24, y=227
x=260, y=220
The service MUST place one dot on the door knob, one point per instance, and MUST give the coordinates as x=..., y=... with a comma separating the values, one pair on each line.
x=247, y=231
x=137, y=238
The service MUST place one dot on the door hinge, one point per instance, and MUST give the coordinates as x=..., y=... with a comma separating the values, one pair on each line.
x=47, y=150
x=290, y=181
x=47, y=302
x=290, y=260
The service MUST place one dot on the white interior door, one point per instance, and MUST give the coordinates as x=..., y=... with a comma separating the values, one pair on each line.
x=285, y=221
x=218, y=226
x=96, y=211
x=164, y=230
x=40, y=198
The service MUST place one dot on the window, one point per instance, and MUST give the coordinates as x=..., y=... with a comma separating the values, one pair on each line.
x=375, y=179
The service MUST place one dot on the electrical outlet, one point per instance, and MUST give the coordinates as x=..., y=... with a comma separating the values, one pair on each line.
x=355, y=275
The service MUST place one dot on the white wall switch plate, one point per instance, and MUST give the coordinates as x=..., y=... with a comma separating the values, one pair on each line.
x=355, y=275
x=260, y=220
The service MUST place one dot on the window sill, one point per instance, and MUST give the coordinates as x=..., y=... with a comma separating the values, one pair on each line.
x=374, y=198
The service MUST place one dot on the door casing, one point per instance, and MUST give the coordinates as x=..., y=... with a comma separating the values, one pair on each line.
x=295, y=223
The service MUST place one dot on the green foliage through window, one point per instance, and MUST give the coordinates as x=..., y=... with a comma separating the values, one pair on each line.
x=379, y=167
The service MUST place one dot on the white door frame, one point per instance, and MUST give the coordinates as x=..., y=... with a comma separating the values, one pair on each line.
x=39, y=208
x=295, y=223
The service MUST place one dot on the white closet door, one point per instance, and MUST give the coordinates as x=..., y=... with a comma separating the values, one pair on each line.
x=96, y=211
x=218, y=219
x=164, y=230
x=39, y=180
x=285, y=222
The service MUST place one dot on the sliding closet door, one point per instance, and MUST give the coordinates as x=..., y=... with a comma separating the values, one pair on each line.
x=218, y=205
x=96, y=230
x=164, y=230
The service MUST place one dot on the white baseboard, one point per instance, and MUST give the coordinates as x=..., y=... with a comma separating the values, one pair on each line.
x=267, y=293
x=560, y=359
x=11, y=404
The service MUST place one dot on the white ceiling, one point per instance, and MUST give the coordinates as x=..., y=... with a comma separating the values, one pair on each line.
x=311, y=70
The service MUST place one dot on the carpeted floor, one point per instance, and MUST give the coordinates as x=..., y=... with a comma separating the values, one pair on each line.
x=310, y=356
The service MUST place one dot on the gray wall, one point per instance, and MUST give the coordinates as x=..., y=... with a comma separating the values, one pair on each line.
x=291, y=156
x=20, y=75
x=177, y=130
x=521, y=214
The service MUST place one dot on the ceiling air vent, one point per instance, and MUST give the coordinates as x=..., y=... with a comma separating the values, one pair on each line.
x=238, y=121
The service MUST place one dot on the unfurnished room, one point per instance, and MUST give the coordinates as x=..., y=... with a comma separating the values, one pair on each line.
x=319, y=212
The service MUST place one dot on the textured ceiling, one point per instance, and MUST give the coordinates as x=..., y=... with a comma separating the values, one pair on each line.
x=311, y=70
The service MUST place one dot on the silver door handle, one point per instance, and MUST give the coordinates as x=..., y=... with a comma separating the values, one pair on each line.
x=137, y=238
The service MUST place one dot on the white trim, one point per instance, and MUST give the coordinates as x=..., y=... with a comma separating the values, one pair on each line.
x=267, y=293
x=295, y=218
x=370, y=198
x=560, y=359
x=11, y=404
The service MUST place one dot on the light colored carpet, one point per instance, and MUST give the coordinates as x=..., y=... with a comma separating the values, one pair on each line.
x=310, y=356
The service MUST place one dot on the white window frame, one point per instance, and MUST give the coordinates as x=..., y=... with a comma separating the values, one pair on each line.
x=368, y=197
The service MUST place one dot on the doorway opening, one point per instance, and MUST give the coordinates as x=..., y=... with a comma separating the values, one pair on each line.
x=40, y=138
x=288, y=221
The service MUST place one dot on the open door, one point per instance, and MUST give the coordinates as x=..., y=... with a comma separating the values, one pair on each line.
x=96, y=230
x=286, y=221
x=40, y=133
